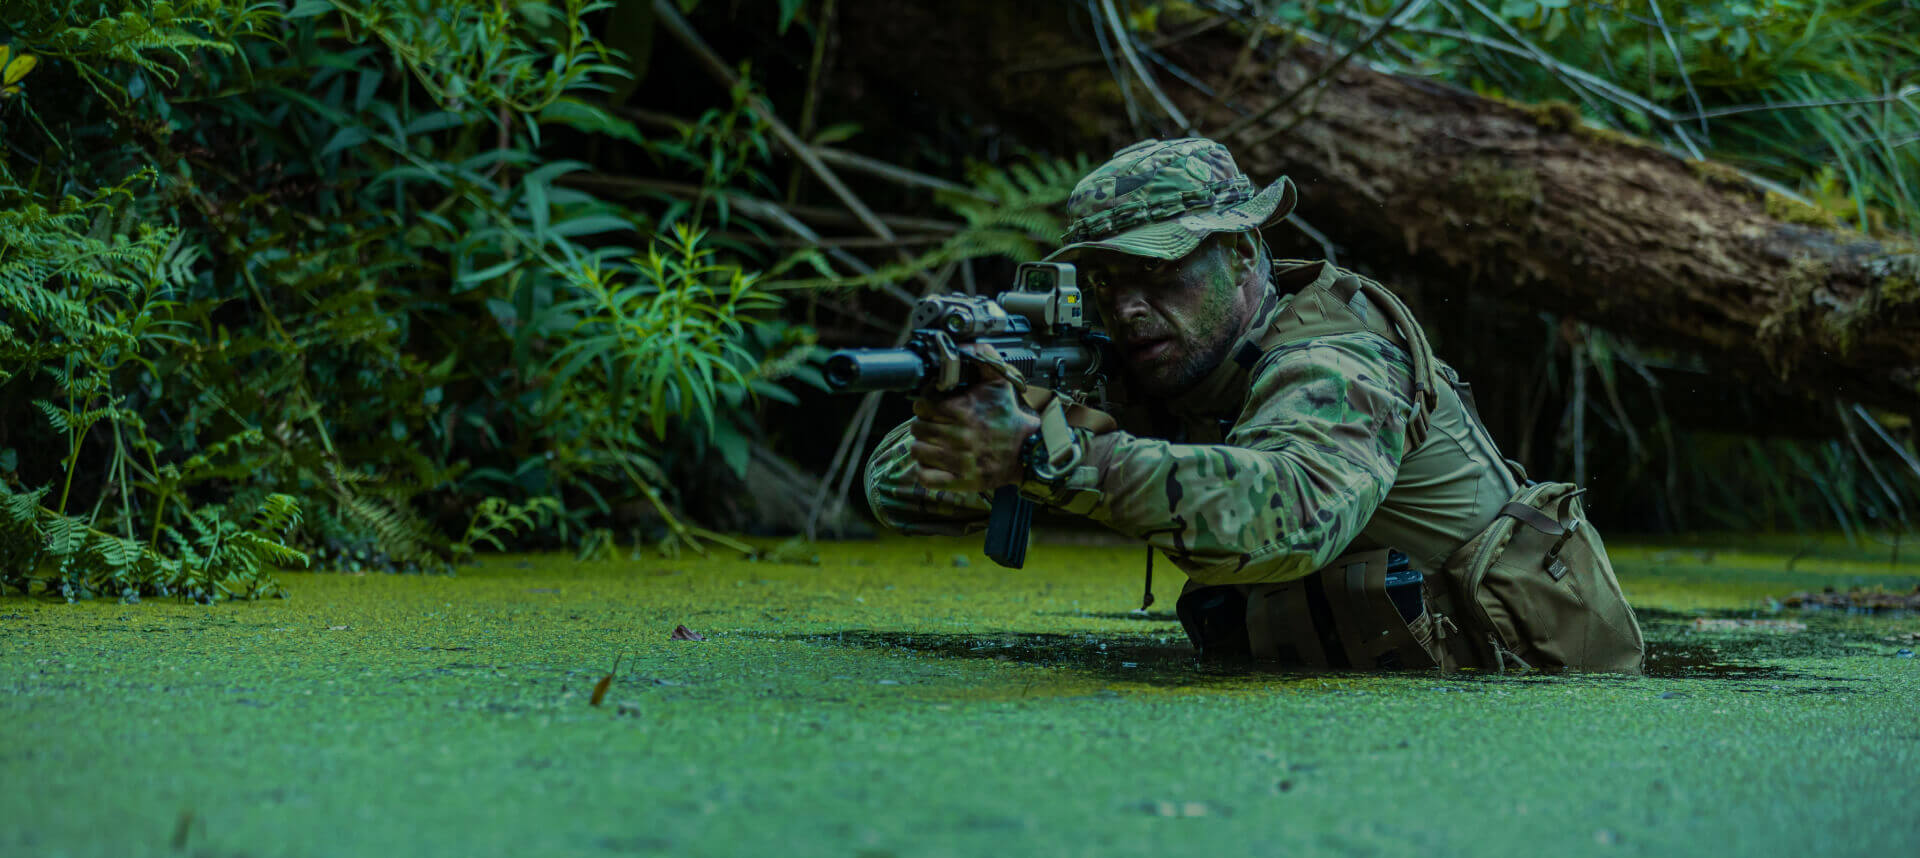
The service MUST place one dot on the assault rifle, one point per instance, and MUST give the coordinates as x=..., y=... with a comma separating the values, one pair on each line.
x=1041, y=327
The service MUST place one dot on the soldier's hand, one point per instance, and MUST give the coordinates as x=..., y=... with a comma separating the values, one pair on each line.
x=970, y=441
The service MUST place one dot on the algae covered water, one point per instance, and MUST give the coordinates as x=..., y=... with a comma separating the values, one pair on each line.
x=907, y=698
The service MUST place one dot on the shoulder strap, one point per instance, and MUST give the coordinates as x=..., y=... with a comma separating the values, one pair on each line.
x=1336, y=302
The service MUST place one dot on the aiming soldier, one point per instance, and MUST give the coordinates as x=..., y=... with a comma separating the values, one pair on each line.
x=1283, y=433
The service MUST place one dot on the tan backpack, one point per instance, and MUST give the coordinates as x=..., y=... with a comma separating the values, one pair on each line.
x=1535, y=590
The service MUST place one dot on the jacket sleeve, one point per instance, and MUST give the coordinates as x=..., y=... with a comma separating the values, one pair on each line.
x=1311, y=456
x=902, y=504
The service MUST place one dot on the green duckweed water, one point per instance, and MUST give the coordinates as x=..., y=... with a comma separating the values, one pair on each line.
x=890, y=702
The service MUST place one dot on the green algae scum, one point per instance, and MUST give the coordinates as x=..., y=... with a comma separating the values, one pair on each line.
x=907, y=698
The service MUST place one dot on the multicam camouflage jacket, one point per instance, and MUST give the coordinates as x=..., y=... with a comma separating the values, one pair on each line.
x=1283, y=458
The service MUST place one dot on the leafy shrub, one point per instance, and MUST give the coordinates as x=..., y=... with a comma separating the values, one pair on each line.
x=313, y=278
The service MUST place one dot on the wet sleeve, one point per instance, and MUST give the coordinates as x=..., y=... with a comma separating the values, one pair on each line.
x=1312, y=455
x=902, y=504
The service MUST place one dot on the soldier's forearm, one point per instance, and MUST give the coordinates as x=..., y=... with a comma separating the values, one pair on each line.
x=1228, y=514
x=903, y=505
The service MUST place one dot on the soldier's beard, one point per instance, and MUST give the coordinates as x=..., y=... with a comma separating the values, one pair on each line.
x=1175, y=372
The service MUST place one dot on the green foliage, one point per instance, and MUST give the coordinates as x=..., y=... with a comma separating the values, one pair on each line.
x=326, y=258
x=153, y=38
x=216, y=559
x=1014, y=211
x=661, y=347
x=494, y=517
x=520, y=57
x=668, y=339
x=100, y=269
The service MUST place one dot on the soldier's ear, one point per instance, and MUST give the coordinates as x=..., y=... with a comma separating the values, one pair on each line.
x=1246, y=250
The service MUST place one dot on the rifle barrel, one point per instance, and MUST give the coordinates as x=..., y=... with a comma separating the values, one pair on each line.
x=864, y=370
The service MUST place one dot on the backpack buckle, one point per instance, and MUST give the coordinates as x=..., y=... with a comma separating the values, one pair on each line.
x=1556, y=567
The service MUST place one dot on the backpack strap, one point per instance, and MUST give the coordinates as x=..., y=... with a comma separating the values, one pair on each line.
x=1426, y=368
x=1336, y=301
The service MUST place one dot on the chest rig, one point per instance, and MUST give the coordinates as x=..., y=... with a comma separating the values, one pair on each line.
x=1366, y=609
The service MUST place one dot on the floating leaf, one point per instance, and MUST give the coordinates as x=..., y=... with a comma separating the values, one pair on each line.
x=606, y=682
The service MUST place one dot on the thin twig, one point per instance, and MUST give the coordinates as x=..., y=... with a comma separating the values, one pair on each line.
x=848, y=161
x=862, y=242
x=1125, y=37
x=1379, y=29
x=1179, y=74
x=1535, y=53
x=1902, y=95
x=1119, y=74
x=854, y=439
x=853, y=465
x=1680, y=65
x=667, y=12
x=802, y=230
x=1092, y=58
x=896, y=173
x=1326, y=244
x=1687, y=141
x=856, y=317
x=820, y=42
x=1255, y=33
x=750, y=203
x=1662, y=425
x=862, y=415
x=752, y=207
x=1882, y=432
x=1873, y=470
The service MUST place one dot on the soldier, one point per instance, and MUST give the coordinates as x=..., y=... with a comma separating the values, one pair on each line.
x=1269, y=417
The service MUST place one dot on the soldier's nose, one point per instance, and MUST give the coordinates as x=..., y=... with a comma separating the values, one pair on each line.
x=1129, y=306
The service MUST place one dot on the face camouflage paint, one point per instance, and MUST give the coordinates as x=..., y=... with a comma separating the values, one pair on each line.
x=1172, y=322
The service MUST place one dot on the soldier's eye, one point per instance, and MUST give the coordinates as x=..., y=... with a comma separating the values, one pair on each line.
x=1152, y=266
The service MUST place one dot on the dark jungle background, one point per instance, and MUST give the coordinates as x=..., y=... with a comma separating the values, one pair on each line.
x=382, y=283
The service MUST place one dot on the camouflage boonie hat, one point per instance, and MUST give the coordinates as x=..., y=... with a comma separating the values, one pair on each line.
x=1160, y=198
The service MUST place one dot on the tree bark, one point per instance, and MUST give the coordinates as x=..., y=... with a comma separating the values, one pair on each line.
x=1464, y=194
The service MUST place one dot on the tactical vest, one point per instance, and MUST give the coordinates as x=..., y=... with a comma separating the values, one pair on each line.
x=1533, y=589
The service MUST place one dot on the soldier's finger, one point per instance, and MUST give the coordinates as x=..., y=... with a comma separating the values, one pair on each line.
x=936, y=410
x=938, y=456
x=956, y=410
x=985, y=352
x=990, y=363
x=934, y=478
x=932, y=432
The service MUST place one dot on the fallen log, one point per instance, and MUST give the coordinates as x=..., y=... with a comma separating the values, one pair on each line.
x=1475, y=196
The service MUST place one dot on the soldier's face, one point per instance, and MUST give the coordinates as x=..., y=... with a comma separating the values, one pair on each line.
x=1172, y=322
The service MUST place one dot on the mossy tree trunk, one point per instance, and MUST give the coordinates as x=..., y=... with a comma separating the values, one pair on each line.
x=1463, y=194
